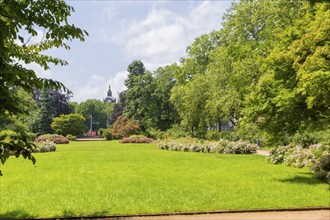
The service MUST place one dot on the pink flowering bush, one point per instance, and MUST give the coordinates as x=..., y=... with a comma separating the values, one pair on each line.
x=56, y=138
x=136, y=139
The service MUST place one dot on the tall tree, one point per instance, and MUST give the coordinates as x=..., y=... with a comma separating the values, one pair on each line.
x=138, y=94
x=118, y=108
x=164, y=115
x=42, y=125
x=189, y=100
x=28, y=15
x=293, y=94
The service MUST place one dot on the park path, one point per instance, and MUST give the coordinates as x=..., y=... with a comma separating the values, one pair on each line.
x=263, y=152
x=271, y=215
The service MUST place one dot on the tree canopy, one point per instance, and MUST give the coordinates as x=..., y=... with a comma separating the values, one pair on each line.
x=73, y=124
x=266, y=71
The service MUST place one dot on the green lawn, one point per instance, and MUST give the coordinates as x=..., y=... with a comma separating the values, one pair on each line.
x=108, y=178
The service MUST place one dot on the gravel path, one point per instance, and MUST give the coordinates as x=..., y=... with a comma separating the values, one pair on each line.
x=263, y=152
x=283, y=215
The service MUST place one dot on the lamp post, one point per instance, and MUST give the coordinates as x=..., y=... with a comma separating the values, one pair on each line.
x=91, y=125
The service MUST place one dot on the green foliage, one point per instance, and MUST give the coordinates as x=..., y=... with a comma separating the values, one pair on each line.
x=71, y=137
x=305, y=139
x=147, y=96
x=226, y=135
x=124, y=127
x=163, y=115
x=290, y=96
x=21, y=122
x=140, y=86
x=213, y=135
x=42, y=125
x=57, y=139
x=52, y=16
x=17, y=144
x=266, y=71
x=108, y=135
x=175, y=132
x=69, y=124
x=96, y=109
x=189, y=100
x=8, y=135
x=119, y=107
x=73, y=106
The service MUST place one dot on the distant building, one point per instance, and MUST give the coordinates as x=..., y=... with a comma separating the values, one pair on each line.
x=109, y=98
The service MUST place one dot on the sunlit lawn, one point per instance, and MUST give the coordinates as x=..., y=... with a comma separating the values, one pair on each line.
x=108, y=178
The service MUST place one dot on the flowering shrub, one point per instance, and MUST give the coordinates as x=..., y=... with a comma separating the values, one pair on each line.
x=124, y=127
x=316, y=157
x=319, y=160
x=57, y=139
x=240, y=147
x=222, y=146
x=45, y=146
x=136, y=139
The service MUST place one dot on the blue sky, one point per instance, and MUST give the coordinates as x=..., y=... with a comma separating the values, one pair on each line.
x=156, y=32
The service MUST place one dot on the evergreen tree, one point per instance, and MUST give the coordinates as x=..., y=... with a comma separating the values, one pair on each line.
x=46, y=114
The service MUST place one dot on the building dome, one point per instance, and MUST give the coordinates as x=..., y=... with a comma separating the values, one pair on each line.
x=109, y=98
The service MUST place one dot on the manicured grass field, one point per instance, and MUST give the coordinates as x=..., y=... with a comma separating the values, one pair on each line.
x=108, y=178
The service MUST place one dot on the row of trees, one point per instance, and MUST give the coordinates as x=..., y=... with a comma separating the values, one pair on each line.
x=46, y=106
x=267, y=71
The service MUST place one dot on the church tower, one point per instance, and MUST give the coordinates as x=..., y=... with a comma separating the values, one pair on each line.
x=109, y=98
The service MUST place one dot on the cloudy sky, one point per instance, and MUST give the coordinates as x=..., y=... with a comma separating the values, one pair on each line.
x=156, y=32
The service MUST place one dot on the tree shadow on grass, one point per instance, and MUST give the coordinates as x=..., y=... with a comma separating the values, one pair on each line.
x=16, y=214
x=308, y=179
x=70, y=213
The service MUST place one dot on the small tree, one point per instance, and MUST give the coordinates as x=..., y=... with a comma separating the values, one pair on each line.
x=124, y=127
x=69, y=124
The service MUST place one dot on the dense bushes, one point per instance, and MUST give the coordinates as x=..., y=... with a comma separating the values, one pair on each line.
x=57, y=139
x=106, y=133
x=174, y=132
x=316, y=157
x=71, y=137
x=136, y=139
x=45, y=146
x=222, y=146
x=69, y=124
x=123, y=127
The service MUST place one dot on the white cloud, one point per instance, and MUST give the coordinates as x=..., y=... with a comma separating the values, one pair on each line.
x=117, y=83
x=162, y=37
x=109, y=12
x=97, y=87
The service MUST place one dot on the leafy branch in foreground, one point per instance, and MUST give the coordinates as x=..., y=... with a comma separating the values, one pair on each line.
x=19, y=22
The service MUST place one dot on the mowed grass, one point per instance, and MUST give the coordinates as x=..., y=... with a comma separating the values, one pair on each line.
x=108, y=178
